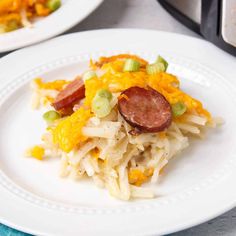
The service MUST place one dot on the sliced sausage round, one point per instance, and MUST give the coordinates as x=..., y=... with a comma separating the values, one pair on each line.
x=71, y=94
x=145, y=109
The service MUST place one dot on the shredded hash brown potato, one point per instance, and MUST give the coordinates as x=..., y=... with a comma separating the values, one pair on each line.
x=103, y=148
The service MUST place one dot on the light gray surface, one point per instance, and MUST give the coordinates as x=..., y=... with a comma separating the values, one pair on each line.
x=149, y=14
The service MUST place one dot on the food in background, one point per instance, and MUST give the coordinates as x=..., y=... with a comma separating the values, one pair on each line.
x=15, y=14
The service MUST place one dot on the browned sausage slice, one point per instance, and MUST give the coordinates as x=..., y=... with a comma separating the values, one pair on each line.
x=72, y=93
x=145, y=109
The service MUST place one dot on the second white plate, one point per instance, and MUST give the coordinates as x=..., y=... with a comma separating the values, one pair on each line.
x=70, y=13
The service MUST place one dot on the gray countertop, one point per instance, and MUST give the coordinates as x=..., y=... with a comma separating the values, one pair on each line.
x=149, y=14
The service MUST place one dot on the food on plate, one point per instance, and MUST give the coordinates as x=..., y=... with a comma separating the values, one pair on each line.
x=118, y=123
x=145, y=109
x=15, y=14
x=70, y=95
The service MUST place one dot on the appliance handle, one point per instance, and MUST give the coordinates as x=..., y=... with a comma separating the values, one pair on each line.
x=211, y=19
x=211, y=24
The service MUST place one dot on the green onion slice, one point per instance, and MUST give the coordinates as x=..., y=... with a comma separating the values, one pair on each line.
x=89, y=75
x=101, y=106
x=51, y=116
x=155, y=68
x=178, y=109
x=131, y=65
x=104, y=93
x=160, y=59
x=53, y=5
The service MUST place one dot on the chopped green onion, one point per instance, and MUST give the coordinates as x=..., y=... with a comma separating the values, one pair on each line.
x=53, y=5
x=155, y=68
x=51, y=116
x=159, y=66
x=104, y=93
x=101, y=106
x=89, y=75
x=131, y=65
x=163, y=61
x=178, y=109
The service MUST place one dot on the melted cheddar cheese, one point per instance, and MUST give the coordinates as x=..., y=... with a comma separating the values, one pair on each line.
x=116, y=80
x=68, y=133
x=54, y=85
x=137, y=177
x=36, y=152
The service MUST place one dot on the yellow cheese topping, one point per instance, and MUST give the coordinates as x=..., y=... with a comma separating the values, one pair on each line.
x=116, y=80
x=137, y=177
x=68, y=133
x=54, y=85
x=36, y=152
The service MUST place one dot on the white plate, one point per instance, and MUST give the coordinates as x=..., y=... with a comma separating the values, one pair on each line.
x=70, y=13
x=197, y=185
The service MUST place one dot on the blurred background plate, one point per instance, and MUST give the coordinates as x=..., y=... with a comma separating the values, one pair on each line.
x=70, y=13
